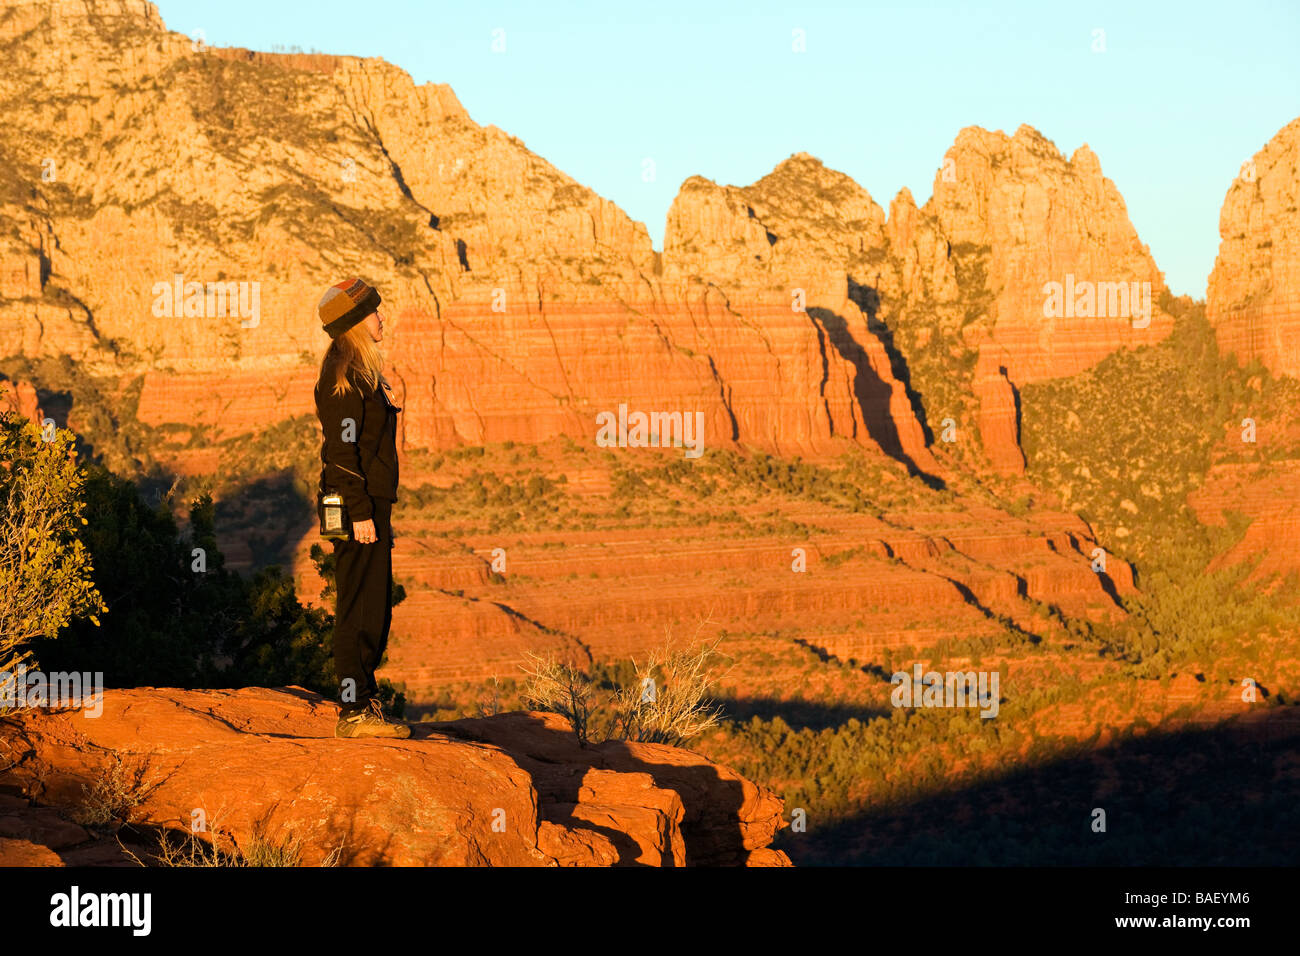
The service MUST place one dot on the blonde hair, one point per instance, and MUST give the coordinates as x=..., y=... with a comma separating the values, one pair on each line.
x=354, y=349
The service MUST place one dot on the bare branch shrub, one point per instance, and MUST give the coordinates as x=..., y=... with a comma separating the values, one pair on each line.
x=491, y=707
x=561, y=687
x=117, y=791
x=214, y=846
x=668, y=701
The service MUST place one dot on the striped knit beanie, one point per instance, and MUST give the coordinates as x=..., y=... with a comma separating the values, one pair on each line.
x=346, y=304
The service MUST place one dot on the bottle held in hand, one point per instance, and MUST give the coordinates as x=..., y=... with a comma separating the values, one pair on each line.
x=333, y=517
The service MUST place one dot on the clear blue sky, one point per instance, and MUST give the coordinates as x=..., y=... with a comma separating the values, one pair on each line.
x=1182, y=95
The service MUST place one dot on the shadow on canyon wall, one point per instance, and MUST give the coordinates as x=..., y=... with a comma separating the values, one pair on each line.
x=173, y=601
x=263, y=520
x=872, y=393
x=867, y=299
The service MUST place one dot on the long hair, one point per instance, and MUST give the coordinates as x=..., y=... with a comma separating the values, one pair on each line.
x=354, y=349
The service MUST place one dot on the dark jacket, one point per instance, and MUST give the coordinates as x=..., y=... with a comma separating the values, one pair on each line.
x=366, y=467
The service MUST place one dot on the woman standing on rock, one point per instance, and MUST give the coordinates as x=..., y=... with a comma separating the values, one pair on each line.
x=359, y=462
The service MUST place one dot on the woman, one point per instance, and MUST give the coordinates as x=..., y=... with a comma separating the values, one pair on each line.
x=359, y=461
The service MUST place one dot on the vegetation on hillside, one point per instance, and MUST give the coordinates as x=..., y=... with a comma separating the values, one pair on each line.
x=1126, y=443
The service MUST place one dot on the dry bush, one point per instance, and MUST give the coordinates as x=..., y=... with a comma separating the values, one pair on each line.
x=670, y=701
x=118, y=790
x=561, y=687
x=214, y=846
x=491, y=707
x=667, y=702
x=189, y=850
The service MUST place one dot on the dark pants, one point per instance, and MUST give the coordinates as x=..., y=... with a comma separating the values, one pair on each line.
x=364, y=611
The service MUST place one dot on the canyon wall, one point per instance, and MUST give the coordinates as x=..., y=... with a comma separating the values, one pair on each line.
x=521, y=303
x=1253, y=295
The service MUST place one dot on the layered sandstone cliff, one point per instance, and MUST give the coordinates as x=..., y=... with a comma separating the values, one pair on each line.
x=1043, y=219
x=1253, y=300
x=523, y=303
x=1253, y=295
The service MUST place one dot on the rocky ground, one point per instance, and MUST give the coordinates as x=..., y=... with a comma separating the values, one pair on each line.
x=261, y=767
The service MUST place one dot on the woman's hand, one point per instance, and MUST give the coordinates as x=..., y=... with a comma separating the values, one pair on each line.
x=364, y=531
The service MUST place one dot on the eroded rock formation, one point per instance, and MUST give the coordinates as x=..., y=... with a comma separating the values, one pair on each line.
x=523, y=303
x=262, y=764
x=1253, y=295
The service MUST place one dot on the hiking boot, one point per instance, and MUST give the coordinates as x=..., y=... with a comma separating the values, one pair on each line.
x=370, y=721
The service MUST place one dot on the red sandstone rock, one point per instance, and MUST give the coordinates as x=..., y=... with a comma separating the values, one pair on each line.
x=523, y=304
x=1270, y=497
x=20, y=398
x=723, y=817
x=1253, y=295
x=1042, y=218
x=515, y=789
x=999, y=415
x=25, y=853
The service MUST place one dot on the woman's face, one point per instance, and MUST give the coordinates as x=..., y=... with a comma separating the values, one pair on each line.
x=375, y=326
